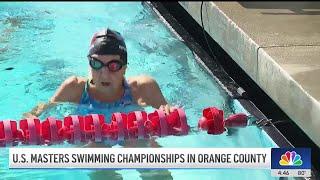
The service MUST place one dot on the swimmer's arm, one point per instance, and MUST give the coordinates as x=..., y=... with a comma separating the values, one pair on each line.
x=67, y=92
x=36, y=111
x=152, y=95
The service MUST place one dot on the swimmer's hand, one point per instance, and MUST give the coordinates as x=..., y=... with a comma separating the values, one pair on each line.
x=36, y=111
x=29, y=115
x=167, y=108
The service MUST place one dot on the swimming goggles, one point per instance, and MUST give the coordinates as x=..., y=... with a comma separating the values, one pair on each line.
x=113, y=65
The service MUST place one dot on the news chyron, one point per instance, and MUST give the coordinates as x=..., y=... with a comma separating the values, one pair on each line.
x=283, y=162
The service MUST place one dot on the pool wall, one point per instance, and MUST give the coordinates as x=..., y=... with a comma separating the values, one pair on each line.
x=231, y=87
x=249, y=49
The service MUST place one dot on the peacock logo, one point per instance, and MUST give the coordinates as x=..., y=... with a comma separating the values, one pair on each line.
x=290, y=159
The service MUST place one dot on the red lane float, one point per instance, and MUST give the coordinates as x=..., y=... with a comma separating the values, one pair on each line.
x=9, y=133
x=214, y=123
x=137, y=125
x=51, y=131
x=31, y=130
x=92, y=127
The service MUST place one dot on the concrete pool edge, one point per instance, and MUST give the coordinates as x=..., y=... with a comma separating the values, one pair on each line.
x=226, y=81
x=260, y=66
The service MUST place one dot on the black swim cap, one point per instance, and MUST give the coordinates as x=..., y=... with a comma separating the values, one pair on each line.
x=108, y=41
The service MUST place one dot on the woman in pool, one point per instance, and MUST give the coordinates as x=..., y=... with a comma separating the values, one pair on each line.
x=107, y=85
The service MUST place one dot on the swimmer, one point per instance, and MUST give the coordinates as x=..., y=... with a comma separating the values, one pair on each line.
x=106, y=85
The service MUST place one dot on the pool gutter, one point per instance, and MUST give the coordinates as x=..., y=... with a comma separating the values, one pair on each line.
x=215, y=69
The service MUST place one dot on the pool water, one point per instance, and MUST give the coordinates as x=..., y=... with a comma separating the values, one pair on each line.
x=43, y=43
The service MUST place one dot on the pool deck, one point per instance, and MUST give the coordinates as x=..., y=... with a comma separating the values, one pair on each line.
x=278, y=45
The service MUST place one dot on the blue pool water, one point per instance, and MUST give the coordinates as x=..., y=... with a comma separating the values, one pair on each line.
x=45, y=43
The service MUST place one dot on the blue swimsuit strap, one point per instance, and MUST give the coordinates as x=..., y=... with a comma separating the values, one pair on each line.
x=125, y=99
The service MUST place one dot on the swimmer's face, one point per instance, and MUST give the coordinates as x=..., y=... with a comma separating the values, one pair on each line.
x=106, y=79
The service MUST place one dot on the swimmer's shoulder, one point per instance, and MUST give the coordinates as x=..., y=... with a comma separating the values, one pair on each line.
x=138, y=82
x=145, y=90
x=70, y=90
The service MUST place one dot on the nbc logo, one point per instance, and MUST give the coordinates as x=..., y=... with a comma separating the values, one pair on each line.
x=290, y=159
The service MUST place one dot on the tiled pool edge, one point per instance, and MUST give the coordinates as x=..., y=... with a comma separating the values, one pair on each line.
x=220, y=75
